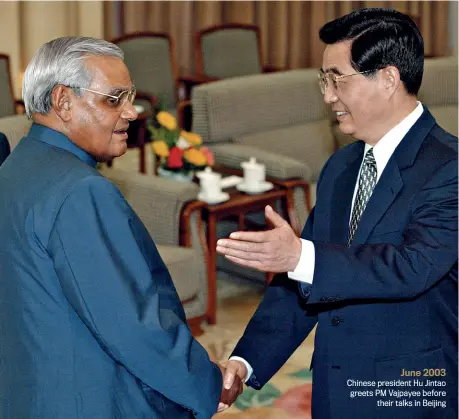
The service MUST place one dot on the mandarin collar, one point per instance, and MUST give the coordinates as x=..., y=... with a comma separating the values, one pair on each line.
x=57, y=139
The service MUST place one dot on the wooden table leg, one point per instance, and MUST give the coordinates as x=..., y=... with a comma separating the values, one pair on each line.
x=241, y=221
x=141, y=141
x=212, y=269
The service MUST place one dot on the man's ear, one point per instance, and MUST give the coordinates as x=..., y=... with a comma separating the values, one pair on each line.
x=391, y=79
x=61, y=102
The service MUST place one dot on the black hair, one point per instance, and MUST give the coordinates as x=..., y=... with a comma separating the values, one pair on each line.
x=381, y=37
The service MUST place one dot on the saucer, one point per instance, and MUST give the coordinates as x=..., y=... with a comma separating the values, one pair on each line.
x=262, y=187
x=222, y=197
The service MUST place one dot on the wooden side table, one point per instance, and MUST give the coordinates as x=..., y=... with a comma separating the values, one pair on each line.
x=238, y=205
x=289, y=185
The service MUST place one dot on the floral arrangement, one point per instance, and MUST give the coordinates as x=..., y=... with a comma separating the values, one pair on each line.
x=178, y=150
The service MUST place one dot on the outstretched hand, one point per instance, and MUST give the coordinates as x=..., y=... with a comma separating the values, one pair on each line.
x=276, y=250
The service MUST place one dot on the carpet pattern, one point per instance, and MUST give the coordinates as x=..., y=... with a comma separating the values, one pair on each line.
x=288, y=394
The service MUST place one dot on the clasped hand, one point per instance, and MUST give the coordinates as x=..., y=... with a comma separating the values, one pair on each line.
x=234, y=373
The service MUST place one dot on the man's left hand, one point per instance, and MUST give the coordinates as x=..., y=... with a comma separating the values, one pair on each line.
x=276, y=250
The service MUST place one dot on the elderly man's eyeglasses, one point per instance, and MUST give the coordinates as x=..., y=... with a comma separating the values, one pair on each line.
x=325, y=79
x=119, y=101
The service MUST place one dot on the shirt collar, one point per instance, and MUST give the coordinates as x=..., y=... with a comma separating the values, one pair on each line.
x=386, y=146
x=57, y=139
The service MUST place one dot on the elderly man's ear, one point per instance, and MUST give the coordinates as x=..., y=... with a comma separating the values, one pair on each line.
x=61, y=102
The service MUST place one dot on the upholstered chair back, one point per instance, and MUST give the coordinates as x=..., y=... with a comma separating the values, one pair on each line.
x=149, y=58
x=7, y=103
x=228, y=51
x=439, y=91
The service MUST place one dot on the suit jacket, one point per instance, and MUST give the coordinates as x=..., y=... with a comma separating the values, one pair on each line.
x=4, y=148
x=91, y=325
x=388, y=302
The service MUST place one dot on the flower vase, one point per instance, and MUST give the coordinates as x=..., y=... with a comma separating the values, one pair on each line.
x=180, y=176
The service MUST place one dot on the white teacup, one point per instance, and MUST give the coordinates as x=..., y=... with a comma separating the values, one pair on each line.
x=254, y=174
x=210, y=184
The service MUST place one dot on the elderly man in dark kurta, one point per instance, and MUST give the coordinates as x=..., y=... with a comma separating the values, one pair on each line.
x=91, y=325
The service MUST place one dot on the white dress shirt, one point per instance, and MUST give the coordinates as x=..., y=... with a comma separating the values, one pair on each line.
x=382, y=151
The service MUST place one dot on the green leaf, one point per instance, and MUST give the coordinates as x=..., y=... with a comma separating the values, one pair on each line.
x=303, y=374
x=258, y=398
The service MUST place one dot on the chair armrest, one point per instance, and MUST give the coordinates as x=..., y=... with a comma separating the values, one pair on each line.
x=271, y=69
x=206, y=79
x=158, y=202
x=277, y=167
x=15, y=127
x=188, y=82
x=185, y=114
x=20, y=106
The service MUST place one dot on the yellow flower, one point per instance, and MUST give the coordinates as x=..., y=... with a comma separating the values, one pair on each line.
x=167, y=120
x=191, y=137
x=195, y=157
x=160, y=148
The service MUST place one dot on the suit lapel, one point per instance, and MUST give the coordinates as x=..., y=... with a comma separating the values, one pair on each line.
x=385, y=192
x=343, y=191
x=391, y=183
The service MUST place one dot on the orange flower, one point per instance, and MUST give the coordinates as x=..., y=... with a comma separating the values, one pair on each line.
x=160, y=148
x=167, y=120
x=191, y=137
x=195, y=157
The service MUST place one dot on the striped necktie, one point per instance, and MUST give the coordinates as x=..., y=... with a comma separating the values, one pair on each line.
x=367, y=182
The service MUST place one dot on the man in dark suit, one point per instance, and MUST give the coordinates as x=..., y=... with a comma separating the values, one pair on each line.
x=4, y=148
x=91, y=324
x=376, y=268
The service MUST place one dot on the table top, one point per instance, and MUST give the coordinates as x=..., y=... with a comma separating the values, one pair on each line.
x=241, y=201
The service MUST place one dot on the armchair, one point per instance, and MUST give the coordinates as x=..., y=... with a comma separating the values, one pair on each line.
x=229, y=50
x=8, y=104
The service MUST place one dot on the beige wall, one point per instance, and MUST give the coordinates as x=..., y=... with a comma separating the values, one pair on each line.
x=26, y=25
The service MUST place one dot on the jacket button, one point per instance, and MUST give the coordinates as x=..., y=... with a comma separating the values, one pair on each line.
x=335, y=321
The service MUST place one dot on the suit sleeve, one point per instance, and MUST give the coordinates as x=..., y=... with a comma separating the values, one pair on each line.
x=281, y=322
x=279, y=325
x=115, y=280
x=385, y=271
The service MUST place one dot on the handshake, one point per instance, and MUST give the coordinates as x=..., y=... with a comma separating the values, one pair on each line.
x=234, y=373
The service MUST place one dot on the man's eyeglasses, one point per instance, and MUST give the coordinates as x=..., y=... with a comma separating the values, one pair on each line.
x=325, y=79
x=116, y=102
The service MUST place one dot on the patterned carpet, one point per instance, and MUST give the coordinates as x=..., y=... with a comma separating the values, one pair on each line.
x=288, y=394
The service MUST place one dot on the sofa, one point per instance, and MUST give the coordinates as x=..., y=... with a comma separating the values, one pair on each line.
x=281, y=119
x=160, y=204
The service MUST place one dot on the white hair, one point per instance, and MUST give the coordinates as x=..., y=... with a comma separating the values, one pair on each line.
x=61, y=61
